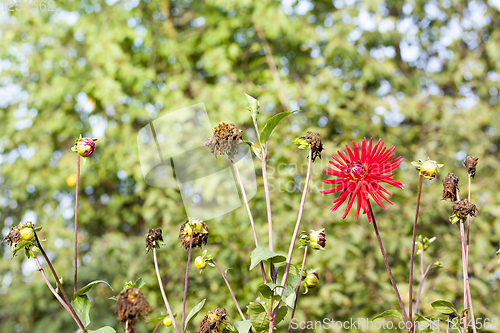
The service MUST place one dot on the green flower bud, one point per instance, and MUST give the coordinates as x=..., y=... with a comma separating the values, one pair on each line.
x=428, y=169
x=317, y=239
x=84, y=146
x=27, y=233
x=167, y=321
x=200, y=262
x=426, y=241
x=311, y=280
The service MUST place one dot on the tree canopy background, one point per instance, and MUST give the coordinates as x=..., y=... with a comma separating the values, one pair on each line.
x=422, y=75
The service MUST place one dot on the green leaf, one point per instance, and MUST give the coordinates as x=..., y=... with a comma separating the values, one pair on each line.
x=263, y=253
x=258, y=316
x=139, y=283
x=463, y=312
x=21, y=245
x=266, y=290
x=105, y=329
x=89, y=286
x=250, y=143
x=114, y=298
x=194, y=312
x=280, y=315
x=443, y=306
x=254, y=106
x=243, y=326
x=271, y=125
x=288, y=296
x=81, y=305
x=389, y=313
x=37, y=229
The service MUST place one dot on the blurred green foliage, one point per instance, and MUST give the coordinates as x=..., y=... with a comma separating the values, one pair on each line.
x=423, y=75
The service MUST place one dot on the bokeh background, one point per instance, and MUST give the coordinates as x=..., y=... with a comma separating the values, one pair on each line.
x=422, y=75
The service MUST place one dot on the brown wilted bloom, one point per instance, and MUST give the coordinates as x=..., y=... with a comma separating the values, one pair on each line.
x=470, y=163
x=315, y=142
x=130, y=306
x=154, y=238
x=214, y=322
x=224, y=140
x=464, y=208
x=450, y=187
x=13, y=237
x=199, y=230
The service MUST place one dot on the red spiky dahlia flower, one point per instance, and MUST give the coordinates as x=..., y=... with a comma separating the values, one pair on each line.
x=360, y=175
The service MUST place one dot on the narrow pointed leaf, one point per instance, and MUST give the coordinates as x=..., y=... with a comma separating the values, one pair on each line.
x=194, y=312
x=271, y=125
x=89, y=286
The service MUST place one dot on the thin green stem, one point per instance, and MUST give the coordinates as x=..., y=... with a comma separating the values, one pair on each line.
x=412, y=258
x=186, y=282
x=230, y=290
x=298, y=288
x=297, y=224
x=170, y=313
x=76, y=218
x=79, y=322
x=396, y=291
x=243, y=193
x=467, y=295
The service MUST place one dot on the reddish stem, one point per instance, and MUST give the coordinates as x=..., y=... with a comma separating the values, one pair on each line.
x=298, y=288
x=403, y=310
x=230, y=290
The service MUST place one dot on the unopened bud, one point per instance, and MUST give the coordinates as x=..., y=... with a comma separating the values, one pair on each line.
x=84, y=146
x=200, y=262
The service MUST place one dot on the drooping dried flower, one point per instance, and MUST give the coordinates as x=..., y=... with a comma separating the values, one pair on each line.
x=464, y=208
x=154, y=238
x=131, y=305
x=216, y=322
x=224, y=140
x=450, y=187
x=313, y=140
x=470, y=163
x=198, y=228
x=359, y=176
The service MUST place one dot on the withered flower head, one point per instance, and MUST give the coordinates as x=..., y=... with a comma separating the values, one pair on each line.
x=13, y=237
x=215, y=322
x=198, y=228
x=224, y=140
x=464, y=208
x=154, y=238
x=470, y=163
x=130, y=306
x=314, y=141
x=450, y=187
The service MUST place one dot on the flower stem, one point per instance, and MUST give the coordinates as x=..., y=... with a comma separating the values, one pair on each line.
x=297, y=224
x=467, y=295
x=412, y=258
x=467, y=253
x=298, y=288
x=170, y=313
x=269, y=213
x=243, y=193
x=230, y=290
x=65, y=306
x=186, y=281
x=403, y=310
x=158, y=325
x=76, y=216
x=79, y=322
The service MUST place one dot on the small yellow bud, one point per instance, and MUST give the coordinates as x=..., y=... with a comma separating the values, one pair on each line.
x=27, y=233
x=167, y=321
x=200, y=263
x=429, y=169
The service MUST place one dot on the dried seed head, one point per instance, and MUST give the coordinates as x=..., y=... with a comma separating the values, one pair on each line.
x=215, y=321
x=470, y=163
x=198, y=228
x=224, y=140
x=154, y=238
x=315, y=142
x=464, y=208
x=450, y=187
x=130, y=306
x=13, y=237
